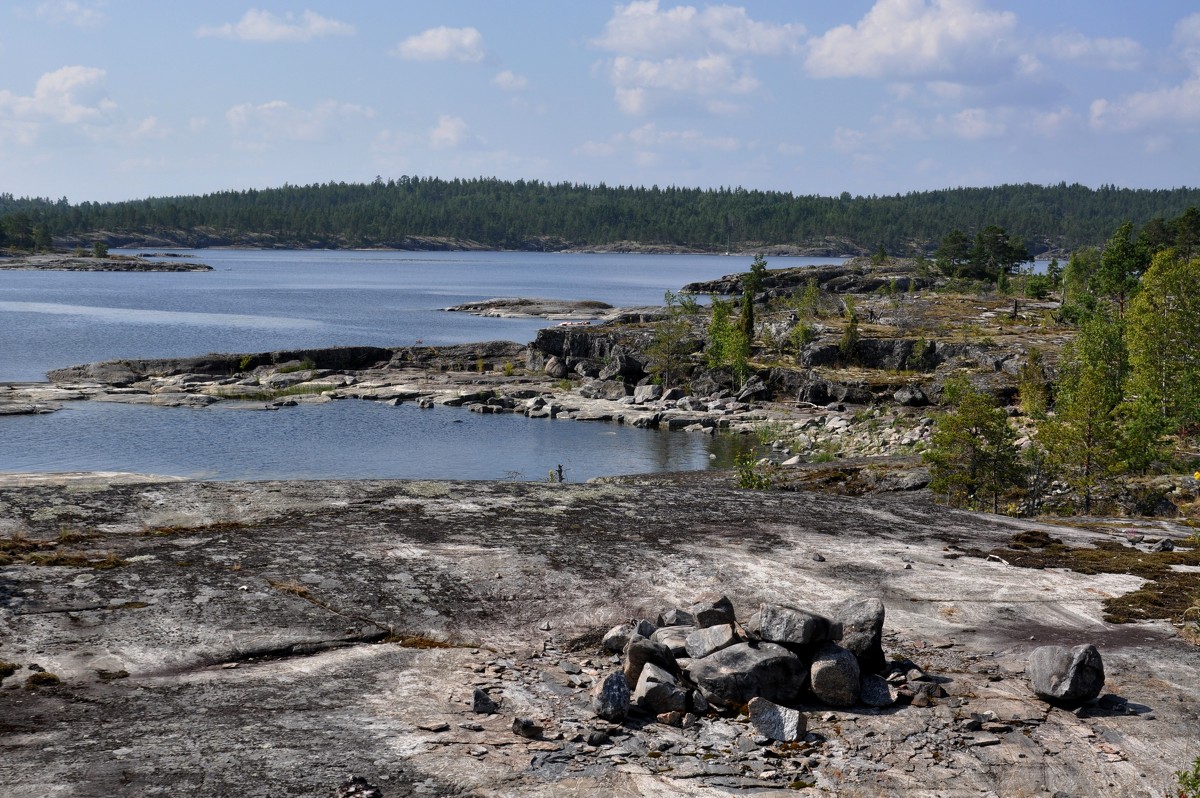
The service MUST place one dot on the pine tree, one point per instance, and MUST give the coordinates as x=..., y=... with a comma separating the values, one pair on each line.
x=973, y=450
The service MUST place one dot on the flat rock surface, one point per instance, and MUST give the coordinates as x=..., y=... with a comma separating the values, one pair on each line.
x=274, y=638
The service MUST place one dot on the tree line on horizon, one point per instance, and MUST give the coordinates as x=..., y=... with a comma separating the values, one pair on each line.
x=531, y=214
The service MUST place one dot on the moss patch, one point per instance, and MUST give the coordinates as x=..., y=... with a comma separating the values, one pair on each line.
x=1168, y=595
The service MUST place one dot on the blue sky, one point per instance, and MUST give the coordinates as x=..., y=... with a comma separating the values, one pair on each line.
x=123, y=99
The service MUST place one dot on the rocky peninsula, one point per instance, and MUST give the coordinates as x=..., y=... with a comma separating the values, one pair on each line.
x=453, y=638
x=110, y=263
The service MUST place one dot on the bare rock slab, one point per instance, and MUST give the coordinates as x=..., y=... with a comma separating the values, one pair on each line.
x=1068, y=676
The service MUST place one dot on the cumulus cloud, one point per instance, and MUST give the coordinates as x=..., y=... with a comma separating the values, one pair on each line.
x=71, y=12
x=510, y=81
x=1173, y=106
x=643, y=29
x=261, y=124
x=1186, y=40
x=637, y=80
x=448, y=133
x=974, y=123
x=443, y=44
x=69, y=96
x=681, y=53
x=910, y=38
x=1117, y=54
x=651, y=135
x=263, y=26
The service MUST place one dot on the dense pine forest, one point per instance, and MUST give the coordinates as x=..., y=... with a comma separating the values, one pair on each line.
x=496, y=214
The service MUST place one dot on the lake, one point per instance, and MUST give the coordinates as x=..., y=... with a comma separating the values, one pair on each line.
x=257, y=301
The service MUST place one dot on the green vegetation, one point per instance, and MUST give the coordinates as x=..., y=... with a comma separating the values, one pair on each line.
x=1189, y=780
x=973, y=454
x=750, y=475
x=526, y=214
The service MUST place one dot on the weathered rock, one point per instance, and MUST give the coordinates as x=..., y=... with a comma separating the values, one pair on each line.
x=482, y=703
x=779, y=723
x=779, y=624
x=876, y=692
x=524, y=727
x=703, y=642
x=555, y=368
x=674, y=638
x=610, y=698
x=616, y=638
x=911, y=396
x=1068, y=676
x=835, y=676
x=646, y=393
x=862, y=632
x=641, y=651
x=712, y=609
x=658, y=692
x=602, y=389
x=357, y=787
x=676, y=617
x=734, y=675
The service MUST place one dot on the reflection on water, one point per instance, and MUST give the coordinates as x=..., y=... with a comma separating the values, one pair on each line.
x=348, y=439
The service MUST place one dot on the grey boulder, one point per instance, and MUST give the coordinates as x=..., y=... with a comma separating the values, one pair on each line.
x=734, y=675
x=658, y=692
x=778, y=723
x=1069, y=676
x=862, y=632
x=835, y=676
x=779, y=624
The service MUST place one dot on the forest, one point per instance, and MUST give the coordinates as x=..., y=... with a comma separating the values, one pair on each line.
x=533, y=215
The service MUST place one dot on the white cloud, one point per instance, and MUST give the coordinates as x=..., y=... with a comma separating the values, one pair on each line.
x=69, y=96
x=974, y=123
x=642, y=29
x=1173, y=105
x=151, y=128
x=71, y=12
x=596, y=149
x=263, y=26
x=638, y=81
x=443, y=44
x=1117, y=54
x=847, y=140
x=510, y=81
x=277, y=120
x=908, y=38
x=449, y=132
x=1186, y=39
x=650, y=135
x=663, y=56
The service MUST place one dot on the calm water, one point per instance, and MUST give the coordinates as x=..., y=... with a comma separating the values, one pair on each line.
x=259, y=301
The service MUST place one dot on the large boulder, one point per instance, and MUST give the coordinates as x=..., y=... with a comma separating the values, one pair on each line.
x=862, y=632
x=712, y=609
x=602, y=389
x=835, y=676
x=779, y=624
x=640, y=651
x=1066, y=676
x=734, y=675
x=674, y=638
x=702, y=642
x=658, y=692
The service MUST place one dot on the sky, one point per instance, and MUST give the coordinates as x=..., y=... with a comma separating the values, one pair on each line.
x=104, y=100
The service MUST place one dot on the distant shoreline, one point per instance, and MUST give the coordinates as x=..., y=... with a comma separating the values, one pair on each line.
x=116, y=263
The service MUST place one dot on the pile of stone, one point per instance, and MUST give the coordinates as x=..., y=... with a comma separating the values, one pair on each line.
x=701, y=658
